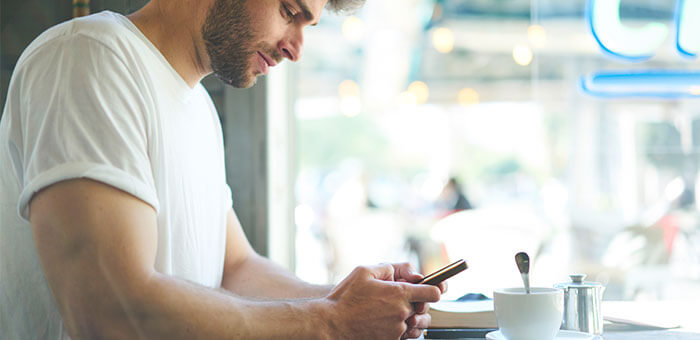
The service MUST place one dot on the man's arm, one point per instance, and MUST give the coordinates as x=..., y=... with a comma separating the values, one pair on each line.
x=97, y=248
x=248, y=274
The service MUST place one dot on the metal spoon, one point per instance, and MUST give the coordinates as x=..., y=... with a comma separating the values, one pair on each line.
x=523, y=262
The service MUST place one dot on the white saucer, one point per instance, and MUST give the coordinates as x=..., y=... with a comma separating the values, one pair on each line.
x=562, y=335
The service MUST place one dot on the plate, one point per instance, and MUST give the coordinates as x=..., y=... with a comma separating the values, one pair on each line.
x=562, y=335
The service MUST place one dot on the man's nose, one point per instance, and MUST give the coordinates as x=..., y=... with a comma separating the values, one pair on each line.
x=291, y=47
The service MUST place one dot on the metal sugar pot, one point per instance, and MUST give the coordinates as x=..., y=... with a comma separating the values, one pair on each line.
x=582, y=301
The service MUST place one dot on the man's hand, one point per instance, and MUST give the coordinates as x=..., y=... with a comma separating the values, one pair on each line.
x=371, y=304
x=403, y=272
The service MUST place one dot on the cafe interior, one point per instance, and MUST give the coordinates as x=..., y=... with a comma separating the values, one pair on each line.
x=432, y=130
x=571, y=137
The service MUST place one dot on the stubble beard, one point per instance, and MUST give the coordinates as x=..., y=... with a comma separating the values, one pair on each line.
x=228, y=40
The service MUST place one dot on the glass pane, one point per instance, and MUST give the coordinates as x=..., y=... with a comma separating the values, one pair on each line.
x=434, y=130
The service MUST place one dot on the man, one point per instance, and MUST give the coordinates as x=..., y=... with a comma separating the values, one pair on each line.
x=116, y=221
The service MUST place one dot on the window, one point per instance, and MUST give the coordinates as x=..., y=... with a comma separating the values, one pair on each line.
x=506, y=98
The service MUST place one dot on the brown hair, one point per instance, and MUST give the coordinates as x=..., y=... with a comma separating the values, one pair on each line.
x=344, y=6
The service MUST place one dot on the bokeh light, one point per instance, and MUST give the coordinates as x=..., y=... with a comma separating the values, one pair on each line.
x=537, y=36
x=353, y=28
x=467, y=97
x=350, y=102
x=443, y=40
x=348, y=88
x=522, y=54
x=420, y=90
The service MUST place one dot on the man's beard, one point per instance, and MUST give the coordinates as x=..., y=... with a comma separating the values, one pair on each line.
x=228, y=39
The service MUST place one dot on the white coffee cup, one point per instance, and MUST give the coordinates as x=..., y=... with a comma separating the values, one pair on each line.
x=534, y=316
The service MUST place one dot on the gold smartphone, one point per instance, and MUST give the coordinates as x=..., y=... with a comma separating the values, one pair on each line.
x=444, y=273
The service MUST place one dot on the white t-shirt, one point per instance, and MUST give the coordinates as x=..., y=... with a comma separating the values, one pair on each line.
x=93, y=98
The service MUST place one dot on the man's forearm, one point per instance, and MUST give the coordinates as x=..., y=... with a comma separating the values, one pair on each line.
x=169, y=308
x=260, y=278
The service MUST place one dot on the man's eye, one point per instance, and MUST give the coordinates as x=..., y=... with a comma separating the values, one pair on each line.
x=287, y=13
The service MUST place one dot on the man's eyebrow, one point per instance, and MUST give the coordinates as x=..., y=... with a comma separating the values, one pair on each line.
x=307, y=13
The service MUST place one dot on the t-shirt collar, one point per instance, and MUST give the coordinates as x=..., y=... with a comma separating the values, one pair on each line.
x=179, y=85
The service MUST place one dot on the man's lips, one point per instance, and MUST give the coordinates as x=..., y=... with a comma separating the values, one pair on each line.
x=265, y=62
x=270, y=62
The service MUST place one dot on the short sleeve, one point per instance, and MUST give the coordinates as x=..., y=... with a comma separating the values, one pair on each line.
x=228, y=199
x=84, y=115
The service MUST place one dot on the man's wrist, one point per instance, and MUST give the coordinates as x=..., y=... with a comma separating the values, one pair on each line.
x=323, y=318
x=322, y=291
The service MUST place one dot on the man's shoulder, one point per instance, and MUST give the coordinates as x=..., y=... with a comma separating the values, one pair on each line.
x=103, y=26
x=106, y=29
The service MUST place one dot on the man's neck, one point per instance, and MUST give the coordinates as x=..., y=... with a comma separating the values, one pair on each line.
x=172, y=28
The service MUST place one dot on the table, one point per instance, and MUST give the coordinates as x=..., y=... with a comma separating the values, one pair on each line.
x=669, y=334
x=683, y=313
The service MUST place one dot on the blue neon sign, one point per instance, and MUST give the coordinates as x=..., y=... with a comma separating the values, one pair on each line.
x=638, y=44
x=688, y=27
x=615, y=38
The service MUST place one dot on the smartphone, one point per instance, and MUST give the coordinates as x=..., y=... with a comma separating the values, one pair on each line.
x=444, y=273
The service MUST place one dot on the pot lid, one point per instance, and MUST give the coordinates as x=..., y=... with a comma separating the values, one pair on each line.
x=577, y=281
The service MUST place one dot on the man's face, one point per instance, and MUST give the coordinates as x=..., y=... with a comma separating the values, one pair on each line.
x=244, y=38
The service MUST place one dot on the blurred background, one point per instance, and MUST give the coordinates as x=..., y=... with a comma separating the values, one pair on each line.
x=432, y=130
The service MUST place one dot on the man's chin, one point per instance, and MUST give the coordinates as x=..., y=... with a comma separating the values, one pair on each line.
x=246, y=83
x=251, y=82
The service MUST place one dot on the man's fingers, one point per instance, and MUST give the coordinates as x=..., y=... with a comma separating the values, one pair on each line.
x=415, y=324
x=411, y=322
x=405, y=271
x=443, y=287
x=421, y=320
x=421, y=307
x=382, y=271
x=412, y=333
x=421, y=293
